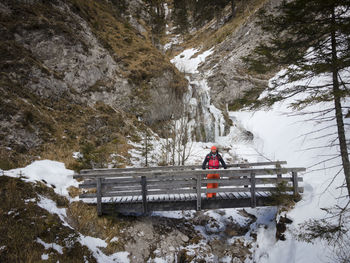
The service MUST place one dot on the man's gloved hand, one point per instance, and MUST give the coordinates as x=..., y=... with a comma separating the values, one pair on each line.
x=225, y=167
x=203, y=168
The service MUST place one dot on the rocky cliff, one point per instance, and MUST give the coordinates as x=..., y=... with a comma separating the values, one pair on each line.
x=77, y=72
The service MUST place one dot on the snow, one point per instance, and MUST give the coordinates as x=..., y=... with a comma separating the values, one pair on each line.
x=77, y=155
x=55, y=246
x=94, y=244
x=174, y=214
x=44, y=257
x=187, y=62
x=52, y=208
x=114, y=239
x=54, y=173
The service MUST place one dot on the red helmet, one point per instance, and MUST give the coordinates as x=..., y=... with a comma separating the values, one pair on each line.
x=213, y=148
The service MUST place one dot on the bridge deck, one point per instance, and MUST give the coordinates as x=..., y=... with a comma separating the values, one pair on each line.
x=184, y=202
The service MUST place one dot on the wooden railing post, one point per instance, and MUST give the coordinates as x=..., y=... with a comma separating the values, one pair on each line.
x=279, y=176
x=252, y=190
x=99, y=197
x=199, y=198
x=295, y=183
x=144, y=194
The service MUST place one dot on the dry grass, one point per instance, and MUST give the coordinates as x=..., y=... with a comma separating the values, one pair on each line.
x=22, y=222
x=245, y=10
x=83, y=218
x=65, y=130
x=140, y=59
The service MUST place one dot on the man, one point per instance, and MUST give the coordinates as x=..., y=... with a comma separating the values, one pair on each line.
x=213, y=159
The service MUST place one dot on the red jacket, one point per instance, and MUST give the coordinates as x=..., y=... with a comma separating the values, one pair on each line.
x=213, y=161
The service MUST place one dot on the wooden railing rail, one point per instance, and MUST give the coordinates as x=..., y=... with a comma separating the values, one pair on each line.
x=191, y=173
x=174, y=168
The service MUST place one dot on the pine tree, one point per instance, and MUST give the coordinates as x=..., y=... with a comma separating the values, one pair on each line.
x=180, y=16
x=314, y=37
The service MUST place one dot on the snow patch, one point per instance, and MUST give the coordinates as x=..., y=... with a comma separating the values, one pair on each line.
x=53, y=173
x=94, y=244
x=52, y=208
x=185, y=62
x=55, y=246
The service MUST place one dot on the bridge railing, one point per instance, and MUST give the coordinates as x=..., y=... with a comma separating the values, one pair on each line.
x=140, y=183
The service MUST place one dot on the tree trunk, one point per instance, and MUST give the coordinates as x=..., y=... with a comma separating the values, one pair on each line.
x=233, y=8
x=338, y=108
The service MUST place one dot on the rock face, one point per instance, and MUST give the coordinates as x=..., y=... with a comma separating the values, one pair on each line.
x=228, y=78
x=62, y=55
x=199, y=237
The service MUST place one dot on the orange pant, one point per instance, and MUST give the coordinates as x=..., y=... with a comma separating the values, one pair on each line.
x=212, y=185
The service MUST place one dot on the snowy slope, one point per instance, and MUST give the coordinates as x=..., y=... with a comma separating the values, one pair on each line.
x=284, y=134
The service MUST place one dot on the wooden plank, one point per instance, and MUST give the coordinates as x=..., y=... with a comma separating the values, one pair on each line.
x=144, y=194
x=172, y=185
x=121, y=180
x=236, y=181
x=112, y=194
x=113, y=188
x=243, y=182
x=258, y=194
x=232, y=196
x=224, y=190
x=192, y=173
x=99, y=197
x=132, y=183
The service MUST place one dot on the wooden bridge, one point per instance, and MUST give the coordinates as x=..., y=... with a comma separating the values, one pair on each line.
x=184, y=187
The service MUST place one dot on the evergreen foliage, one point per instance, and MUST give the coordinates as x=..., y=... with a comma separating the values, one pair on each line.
x=301, y=36
x=280, y=195
x=205, y=10
x=180, y=16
